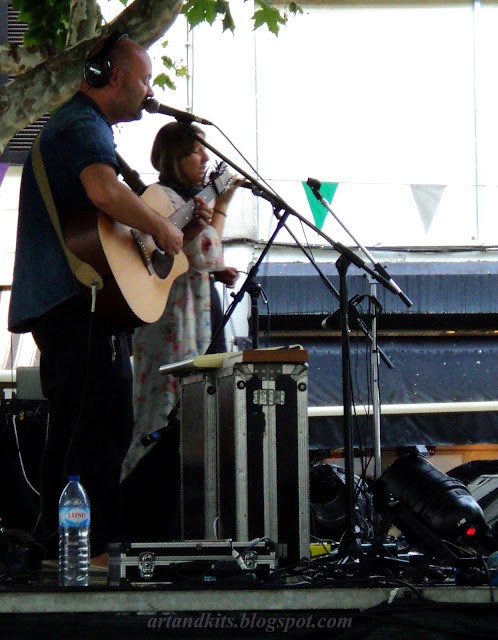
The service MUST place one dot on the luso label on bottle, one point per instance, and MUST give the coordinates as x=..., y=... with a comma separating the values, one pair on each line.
x=74, y=517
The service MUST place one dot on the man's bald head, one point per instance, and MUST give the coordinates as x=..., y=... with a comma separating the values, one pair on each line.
x=118, y=79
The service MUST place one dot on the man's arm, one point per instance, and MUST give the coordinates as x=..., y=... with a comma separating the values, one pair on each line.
x=123, y=205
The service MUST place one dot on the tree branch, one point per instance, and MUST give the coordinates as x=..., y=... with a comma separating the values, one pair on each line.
x=16, y=59
x=51, y=82
x=84, y=18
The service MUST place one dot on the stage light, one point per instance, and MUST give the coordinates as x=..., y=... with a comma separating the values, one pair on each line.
x=328, y=505
x=428, y=506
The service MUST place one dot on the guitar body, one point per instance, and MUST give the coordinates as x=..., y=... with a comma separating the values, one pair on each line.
x=131, y=295
x=137, y=275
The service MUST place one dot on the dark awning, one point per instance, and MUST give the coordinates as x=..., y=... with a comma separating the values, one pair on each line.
x=463, y=290
x=442, y=390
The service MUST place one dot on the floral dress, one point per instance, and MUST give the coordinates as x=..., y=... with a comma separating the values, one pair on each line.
x=183, y=331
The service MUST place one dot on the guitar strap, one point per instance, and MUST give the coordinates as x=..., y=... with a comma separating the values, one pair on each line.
x=84, y=273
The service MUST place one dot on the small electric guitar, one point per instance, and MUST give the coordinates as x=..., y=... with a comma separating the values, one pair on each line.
x=137, y=274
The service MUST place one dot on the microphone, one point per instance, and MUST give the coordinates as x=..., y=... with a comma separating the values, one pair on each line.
x=333, y=321
x=171, y=422
x=314, y=184
x=150, y=438
x=153, y=106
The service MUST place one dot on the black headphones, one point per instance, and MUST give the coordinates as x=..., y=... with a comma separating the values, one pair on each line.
x=98, y=68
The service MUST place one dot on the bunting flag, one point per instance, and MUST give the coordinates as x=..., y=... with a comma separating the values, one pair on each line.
x=319, y=212
x=3, y=170
x=427, y=198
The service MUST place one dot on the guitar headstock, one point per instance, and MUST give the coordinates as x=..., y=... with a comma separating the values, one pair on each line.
x=220, y=178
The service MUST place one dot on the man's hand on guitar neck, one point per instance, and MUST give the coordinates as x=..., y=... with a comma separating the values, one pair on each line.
x=168, y=238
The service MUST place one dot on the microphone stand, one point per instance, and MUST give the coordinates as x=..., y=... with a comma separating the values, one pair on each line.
x=350, y=545
x=278, y=205
x=130, y=176
x=353, y=310
x=255, y=292
x=249, y=286
x=315, y=187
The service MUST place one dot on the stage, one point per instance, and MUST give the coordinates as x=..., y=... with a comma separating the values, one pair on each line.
x=372, y=587
x=43, y=610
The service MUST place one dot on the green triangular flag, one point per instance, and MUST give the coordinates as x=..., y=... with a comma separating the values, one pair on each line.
x=319, y=212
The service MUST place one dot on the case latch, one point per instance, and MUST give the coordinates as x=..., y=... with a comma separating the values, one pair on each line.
x=146, y=565
x=268, y=397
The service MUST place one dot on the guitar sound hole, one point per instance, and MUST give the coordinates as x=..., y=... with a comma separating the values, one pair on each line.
x=162, y=264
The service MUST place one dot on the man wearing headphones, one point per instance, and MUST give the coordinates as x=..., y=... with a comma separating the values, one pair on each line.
x=85, y=365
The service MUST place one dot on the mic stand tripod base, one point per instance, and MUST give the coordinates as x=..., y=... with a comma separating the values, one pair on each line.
x=350, y=545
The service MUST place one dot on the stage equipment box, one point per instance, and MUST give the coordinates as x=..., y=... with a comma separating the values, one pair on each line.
x=244, y=450
x=156, y=563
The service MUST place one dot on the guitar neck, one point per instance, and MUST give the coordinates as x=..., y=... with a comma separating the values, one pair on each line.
x=182, y=216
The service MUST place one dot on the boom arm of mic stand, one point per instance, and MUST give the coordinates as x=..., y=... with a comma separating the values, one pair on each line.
x=280, y=204
x=130, y=176
x=314, y=185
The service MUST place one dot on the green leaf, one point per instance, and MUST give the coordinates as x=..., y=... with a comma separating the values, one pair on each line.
x=181, y=72
x=164, y=81
x=295, y=8
x=47, y=21
x=222, y=6
x=167, y=62
x=228, y=23
x=268, y=15
x=198, y=11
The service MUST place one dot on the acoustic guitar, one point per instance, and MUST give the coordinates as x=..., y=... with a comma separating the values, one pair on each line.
x=137, y=274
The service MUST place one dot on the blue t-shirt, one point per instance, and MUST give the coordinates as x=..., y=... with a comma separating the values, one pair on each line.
x=76, y=136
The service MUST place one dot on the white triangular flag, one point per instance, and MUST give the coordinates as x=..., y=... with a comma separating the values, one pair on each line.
x=427, y=198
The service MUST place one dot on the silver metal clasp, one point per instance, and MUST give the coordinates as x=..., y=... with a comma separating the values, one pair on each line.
x=268, y=397
x=146, y=565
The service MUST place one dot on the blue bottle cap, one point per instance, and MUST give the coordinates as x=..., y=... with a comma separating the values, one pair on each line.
x=75, y=478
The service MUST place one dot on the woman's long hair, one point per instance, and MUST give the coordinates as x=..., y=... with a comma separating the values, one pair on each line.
x=171, y=145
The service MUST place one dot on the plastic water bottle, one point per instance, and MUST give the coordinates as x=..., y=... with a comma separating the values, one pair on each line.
x=74, y=535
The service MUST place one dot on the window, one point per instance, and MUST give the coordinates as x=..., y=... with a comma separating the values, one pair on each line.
x=11, y=31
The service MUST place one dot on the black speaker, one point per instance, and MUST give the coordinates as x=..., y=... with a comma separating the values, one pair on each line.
x=98, y=67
